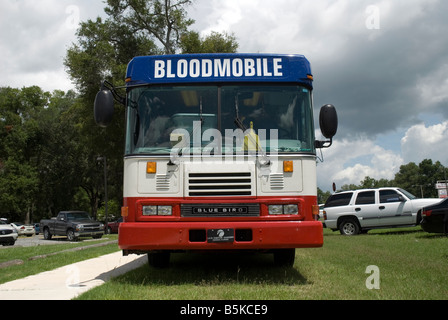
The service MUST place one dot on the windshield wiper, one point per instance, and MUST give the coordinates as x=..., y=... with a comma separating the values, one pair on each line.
x=238, y=121
x=200, y=110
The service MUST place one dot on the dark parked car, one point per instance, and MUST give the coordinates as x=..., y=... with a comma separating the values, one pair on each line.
x=112, y=227
x=435, y=218
x=37, y=228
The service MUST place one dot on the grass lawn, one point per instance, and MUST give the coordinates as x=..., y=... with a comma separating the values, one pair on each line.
x=409, y=264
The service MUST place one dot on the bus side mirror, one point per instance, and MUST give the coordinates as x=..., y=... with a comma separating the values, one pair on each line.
x=328, y=121
x=104, y=107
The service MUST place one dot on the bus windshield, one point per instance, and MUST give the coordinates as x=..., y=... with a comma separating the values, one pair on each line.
x=214, y=119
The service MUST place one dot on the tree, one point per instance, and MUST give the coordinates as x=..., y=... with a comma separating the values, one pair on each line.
x=161, y=20
x=43, y=162
x=408, y=178
x=60, y=157
x=420, y=179
x=216, y=42
x=430, y=173
x=322, y=196
x=18, y=189
x=102, y=52
x=21, y=136
x=369, y=183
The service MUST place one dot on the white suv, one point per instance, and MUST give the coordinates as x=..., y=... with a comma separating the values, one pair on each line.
x=352, y=212
x=8, y=234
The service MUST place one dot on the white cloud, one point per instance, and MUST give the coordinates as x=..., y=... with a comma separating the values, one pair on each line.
x=421, y=142
x=349, y=161
x=223, y=15
x=34, y=37
x=433, y=88
x=47, y=80
x=285, y=26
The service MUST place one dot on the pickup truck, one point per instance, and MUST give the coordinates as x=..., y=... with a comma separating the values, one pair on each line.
x=73, y=224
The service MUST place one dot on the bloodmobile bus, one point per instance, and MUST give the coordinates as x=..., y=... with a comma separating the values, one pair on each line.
x=220, y=154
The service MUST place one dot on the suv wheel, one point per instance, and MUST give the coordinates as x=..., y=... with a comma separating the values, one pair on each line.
x=349, y=227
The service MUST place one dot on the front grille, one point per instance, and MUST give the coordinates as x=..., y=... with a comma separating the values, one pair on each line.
x=162, y=182
x=4, y=232
x=220, y=184
x=92, y=228
x=277, y=181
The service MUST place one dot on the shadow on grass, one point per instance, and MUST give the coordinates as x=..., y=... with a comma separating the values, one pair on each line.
x=419, y=233
x=433, y=236
x=395, y=232
x=216, y=269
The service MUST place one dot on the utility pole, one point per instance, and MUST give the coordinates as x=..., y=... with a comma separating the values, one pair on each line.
x=105, y=191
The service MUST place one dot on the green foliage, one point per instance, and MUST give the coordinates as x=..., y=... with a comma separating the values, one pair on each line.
x=113, y=211
x=162, y=21
x=322, y=196
x=216, y=42
x=420, y=179
x=37, y=153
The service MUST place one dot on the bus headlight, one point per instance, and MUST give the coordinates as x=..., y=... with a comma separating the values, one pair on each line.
x=149, y=210
x=157, y=210
x=275, y=209
x=164, y=211
x=290, y=209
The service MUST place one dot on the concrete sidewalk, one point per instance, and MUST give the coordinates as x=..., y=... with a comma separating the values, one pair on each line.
x=68, y=282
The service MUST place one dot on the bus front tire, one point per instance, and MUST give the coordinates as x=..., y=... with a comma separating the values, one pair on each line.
x=159, y=259
x=284, y=257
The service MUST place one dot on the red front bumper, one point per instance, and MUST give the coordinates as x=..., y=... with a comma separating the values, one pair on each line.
x=147, y=236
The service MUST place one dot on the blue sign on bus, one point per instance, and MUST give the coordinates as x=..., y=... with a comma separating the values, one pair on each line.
x=197, y=68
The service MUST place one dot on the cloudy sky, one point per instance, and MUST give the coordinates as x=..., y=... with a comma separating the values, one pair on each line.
x=383, y=64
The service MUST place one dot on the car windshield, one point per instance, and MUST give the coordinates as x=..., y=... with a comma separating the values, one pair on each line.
x=2, y=222
x=408, y=194
x=78, y=216
x=219, y=119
